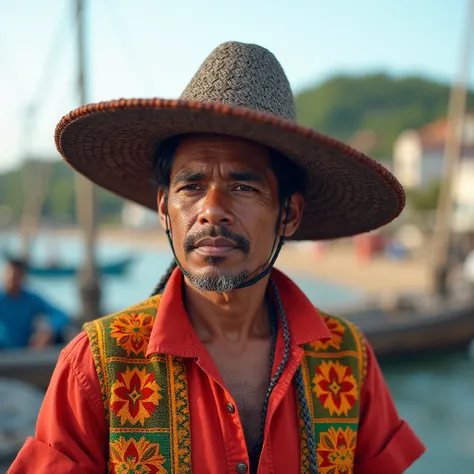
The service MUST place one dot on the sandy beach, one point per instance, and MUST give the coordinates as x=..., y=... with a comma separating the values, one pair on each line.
x=377, y=276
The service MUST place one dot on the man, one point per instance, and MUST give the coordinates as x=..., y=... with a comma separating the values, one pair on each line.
x=228, y=367
x=20, y=310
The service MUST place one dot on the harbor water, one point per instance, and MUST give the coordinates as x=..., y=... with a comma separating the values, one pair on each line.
x=435, y=395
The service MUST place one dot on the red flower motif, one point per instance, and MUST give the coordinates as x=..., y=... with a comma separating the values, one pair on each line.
x=335, y=451
x=336, y=387
x=134, y=395
x=132, y=331
x=138, y=457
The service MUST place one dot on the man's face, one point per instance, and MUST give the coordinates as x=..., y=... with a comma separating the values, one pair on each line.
x=223, y=209
x=13, y=279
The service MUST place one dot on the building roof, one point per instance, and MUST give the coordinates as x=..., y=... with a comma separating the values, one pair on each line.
x=434, y=134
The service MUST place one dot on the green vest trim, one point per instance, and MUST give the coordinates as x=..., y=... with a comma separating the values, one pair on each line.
x=146, y=399
x=334, y=371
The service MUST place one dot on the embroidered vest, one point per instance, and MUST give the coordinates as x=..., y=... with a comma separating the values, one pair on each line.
x=146, y=399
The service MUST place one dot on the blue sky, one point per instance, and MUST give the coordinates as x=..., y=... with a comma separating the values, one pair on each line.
x=150, y=48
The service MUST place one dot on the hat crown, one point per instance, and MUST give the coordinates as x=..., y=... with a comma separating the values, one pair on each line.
x=243, y=75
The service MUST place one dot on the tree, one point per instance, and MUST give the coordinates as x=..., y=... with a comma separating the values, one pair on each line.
x=343, y=105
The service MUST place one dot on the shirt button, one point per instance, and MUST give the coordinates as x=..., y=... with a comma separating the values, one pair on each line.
x=231, y=409
x=241, y=467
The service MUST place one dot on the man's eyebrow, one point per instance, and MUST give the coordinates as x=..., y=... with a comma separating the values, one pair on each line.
x=187, y=176
x=248, y=176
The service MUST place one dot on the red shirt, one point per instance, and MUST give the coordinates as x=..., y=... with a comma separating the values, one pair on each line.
x=72, y=432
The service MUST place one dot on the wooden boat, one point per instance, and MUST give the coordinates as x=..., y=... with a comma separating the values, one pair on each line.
x=113, y=268
x=409, y=332
x=391, y=333
x=30, y=365
x=116, y=267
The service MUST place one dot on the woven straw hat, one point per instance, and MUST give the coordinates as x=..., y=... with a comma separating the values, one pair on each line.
x=240, y=90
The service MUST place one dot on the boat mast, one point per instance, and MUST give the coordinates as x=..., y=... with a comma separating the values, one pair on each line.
x=36, y=173
x=452, y=155
x=30, y=188
x=86, y=199
x=37, y=176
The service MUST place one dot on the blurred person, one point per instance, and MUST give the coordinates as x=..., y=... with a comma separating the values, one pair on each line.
x=21, y=311
x=227, y=367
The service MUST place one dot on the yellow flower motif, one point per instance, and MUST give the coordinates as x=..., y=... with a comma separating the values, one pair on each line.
x=132, y=332
x=335, y=451
x=336, y=387
x=139, y=457
x=134, y=395
x=337, y=330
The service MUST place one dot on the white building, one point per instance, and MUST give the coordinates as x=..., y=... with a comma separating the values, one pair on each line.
x=418, y=161
x=418, y=154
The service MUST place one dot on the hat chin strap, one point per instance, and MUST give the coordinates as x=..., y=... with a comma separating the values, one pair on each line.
x=257, y=277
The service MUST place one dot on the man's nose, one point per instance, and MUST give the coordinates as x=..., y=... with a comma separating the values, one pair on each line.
x=215, y=208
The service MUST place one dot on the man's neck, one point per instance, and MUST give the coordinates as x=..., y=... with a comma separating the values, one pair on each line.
x=235, y=317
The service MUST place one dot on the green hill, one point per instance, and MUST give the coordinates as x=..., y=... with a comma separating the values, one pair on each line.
x=59, y=205
x=387, y=105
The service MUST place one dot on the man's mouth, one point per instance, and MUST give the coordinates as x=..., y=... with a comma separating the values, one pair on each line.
x=215, y=247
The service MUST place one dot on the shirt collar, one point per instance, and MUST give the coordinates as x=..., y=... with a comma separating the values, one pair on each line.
x=174, y=334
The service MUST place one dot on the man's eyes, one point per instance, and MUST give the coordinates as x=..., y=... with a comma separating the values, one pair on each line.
x=197, y=187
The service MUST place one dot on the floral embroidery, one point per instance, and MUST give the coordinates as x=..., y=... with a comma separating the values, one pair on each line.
x=134, y=395
x=182, y=444
x=152, y=303
x=138, y=457
x=132, y=332
x=335, y=451
x=336, y=387
x=337, y=330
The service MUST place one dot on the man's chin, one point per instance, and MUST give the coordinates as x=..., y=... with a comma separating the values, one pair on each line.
x=216, y=279
x=213, y=271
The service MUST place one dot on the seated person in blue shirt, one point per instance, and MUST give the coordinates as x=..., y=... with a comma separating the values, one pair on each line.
x=20, y=311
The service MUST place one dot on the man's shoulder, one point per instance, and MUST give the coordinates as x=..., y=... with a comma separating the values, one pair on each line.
x=346, y=345
x=31, y=296
x=344, y=333
x=25, y=294
x=333, y=320
x=138, y=311
x=75, y=348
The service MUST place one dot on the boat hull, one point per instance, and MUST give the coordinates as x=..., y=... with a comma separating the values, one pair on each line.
x=117, y=268
x=391, y=335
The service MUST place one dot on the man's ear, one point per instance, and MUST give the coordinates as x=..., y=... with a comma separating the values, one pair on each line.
x=291, y=215
x=162, y=206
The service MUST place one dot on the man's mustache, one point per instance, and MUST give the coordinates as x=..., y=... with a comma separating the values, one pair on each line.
x=241, y=242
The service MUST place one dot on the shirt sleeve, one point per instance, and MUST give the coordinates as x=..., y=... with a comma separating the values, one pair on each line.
x=385, y=442
x=71, y=430
x=57, y=318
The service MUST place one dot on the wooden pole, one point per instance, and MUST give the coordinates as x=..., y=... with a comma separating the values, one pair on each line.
x=86, y=200
x=37, y=175
x=30, y=182
x=452, y=155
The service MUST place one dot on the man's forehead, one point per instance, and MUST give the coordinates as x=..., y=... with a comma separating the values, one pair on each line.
x=201, y=144
x=200, y=153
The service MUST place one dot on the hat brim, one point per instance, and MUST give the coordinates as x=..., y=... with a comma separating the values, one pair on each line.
x=112, y=143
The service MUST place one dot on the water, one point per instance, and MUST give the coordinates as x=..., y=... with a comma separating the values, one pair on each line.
x=434, y=395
